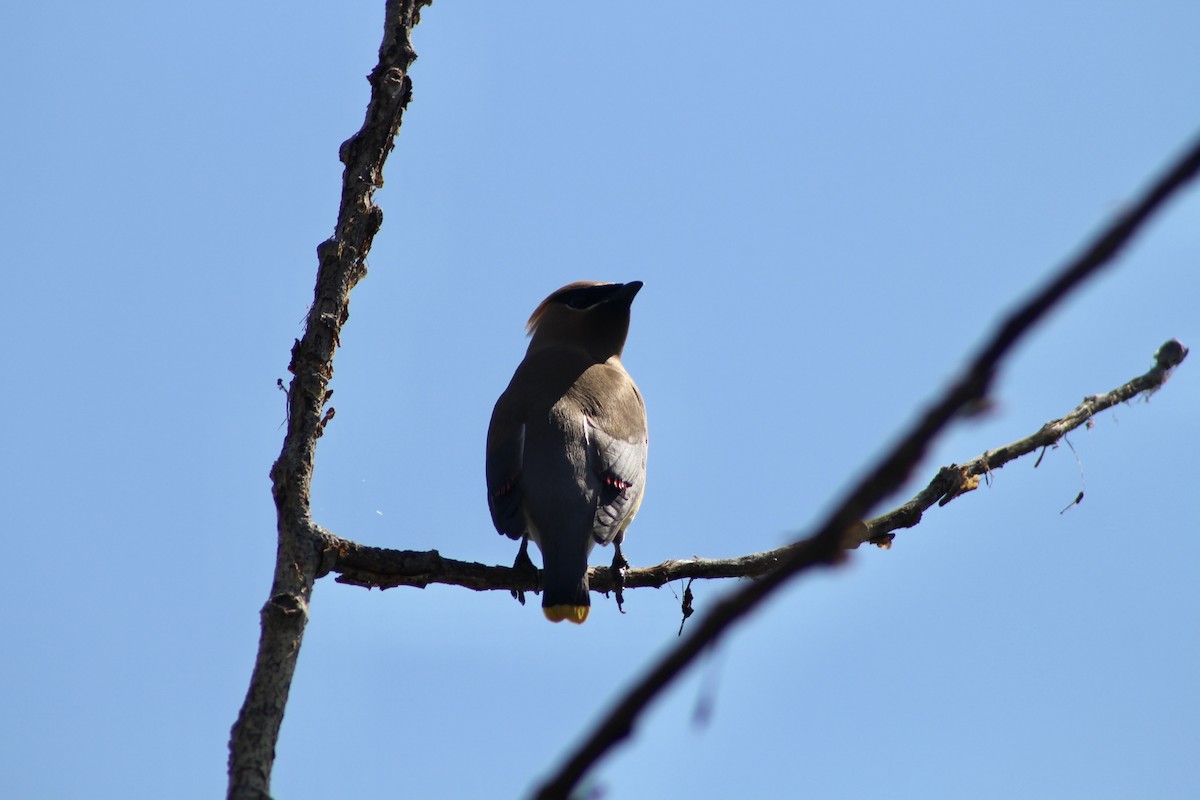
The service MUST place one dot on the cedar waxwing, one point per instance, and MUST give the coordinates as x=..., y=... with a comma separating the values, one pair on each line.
x=566, y=448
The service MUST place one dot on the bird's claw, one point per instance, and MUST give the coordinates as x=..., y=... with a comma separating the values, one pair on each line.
x=524, y=566
x=619, y=566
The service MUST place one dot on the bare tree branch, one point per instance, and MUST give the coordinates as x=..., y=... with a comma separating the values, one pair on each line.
x=825, y=545
x=307, y=552
x=342, y=264
x=383, y=569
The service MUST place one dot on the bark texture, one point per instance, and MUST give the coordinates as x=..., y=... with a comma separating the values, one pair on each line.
x=301, y=548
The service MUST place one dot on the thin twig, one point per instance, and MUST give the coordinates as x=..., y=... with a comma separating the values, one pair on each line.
x=957, y=479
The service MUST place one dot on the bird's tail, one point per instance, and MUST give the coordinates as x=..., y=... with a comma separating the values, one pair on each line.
x=565, y=593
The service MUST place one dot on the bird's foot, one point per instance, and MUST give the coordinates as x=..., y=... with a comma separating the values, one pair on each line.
x=619, y=566
x=526, y=571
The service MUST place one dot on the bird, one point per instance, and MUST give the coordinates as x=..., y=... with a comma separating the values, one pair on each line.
x=567, y=442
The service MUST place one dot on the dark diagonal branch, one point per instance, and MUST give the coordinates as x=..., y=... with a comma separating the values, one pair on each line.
x=342, y=264
x=383, y=569
x=824, y=546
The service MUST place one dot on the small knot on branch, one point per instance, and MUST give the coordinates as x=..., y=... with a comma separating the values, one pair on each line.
x=1170, y=355
x=286, y=605
x=961, y=482
x=346, y=151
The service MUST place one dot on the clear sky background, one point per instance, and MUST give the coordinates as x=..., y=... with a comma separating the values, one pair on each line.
x=829, y=206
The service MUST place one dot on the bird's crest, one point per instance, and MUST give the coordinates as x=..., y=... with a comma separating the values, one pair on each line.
x=540, y=311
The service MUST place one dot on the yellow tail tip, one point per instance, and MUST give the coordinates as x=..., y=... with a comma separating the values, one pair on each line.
x=576, y=614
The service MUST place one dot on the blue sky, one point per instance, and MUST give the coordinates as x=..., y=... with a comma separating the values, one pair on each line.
x=828, y=207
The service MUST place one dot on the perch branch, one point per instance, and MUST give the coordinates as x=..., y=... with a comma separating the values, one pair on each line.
x=383, y=569
x=342, y=263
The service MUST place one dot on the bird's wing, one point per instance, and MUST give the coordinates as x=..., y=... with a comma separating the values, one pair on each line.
x=617, y=446
x=505, y=455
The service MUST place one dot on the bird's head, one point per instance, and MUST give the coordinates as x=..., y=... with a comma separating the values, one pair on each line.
x=589, y=315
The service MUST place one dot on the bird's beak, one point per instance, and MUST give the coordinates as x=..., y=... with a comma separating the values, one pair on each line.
x=624, y=292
